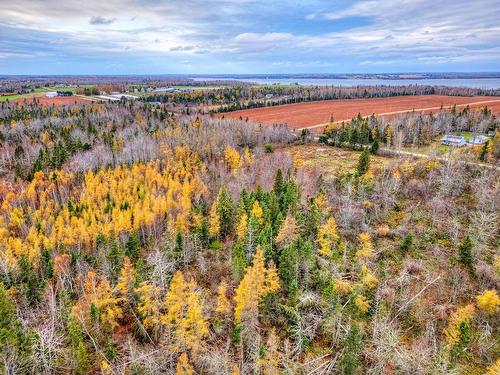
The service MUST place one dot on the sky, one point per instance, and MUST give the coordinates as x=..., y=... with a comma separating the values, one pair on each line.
x=248, y=36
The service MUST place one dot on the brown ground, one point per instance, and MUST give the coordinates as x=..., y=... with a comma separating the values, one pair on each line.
x=315, y=114
x=58, y=100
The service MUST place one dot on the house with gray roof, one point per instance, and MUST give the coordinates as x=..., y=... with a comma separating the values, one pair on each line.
x=453, y=140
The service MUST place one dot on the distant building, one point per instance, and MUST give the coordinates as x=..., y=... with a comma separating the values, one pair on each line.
x=51, y=94
x=453, y=140
x=269, y=96
x=478, y=140
x=491, y=133
x=64, y=93
x=163, y=89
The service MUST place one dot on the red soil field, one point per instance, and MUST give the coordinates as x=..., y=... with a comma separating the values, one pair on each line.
x=58, y=100
x=316, y=114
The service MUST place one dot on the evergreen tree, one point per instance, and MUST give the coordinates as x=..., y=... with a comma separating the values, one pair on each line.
x=115, y=258
x=179, y=245
x=350, y=361
x=32, y=286
x=225, y=211
x=47, y=265
x=465, y=254
x=278, y=183
x=406, y=244
x=288, y=269
x=375, y=146
x=239, y=261
x=133, y=246
x=484, y=151
x=81, y=355
x=8, y=319
x=363, y=162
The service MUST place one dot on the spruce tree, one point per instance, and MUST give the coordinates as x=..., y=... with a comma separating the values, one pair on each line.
x=225, y=210
x=375, y=146
x=133, y=246
x=350, y=361
x=363, y=162
x=484, y=151
x=406, y=244
x=465, y=254
x=288, y=269
x=278, y=183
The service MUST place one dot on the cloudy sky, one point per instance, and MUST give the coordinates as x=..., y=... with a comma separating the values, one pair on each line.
x=247, y=36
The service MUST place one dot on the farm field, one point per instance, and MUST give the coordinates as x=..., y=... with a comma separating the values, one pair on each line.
x=315, y=115
x=58, y=100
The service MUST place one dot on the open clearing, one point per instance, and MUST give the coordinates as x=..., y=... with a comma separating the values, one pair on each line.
x=331, y=161
x=58, y=100
x=315, y=115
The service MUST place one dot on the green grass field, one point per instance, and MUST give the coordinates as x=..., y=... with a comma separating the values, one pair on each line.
x=4, y=98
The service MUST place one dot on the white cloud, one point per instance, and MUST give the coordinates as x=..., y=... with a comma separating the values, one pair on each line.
x=417, y=31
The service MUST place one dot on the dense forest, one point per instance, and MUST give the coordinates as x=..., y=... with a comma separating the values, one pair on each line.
x=136, y=241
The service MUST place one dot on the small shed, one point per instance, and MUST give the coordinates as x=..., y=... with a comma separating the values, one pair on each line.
x=453, y=140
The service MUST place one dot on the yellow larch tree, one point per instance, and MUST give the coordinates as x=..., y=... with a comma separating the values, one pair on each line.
x=367, y=278
x=257, y=283
x=126, y=279
x=269, y=364
x=175, y=300
x=195, y=325
x=257, y=211
x=241, y=228
x=287, y=233
x=362, y=303
x=183, y=366
x=389, y=135
x=248, y=157
x=366, y=250
x=184, y=313
x=461, y=316
x=494, y=369
x=97, y=292
x=149, y=305
x=342, y=287
x=223, y=305
x=232, y=158
x=214, y=221
x=328, y=237
x=489, y=302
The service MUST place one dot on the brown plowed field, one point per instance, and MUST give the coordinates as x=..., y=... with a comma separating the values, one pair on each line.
x=58, y=100
x=315, y=115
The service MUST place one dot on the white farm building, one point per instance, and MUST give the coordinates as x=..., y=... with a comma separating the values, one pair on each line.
x=453, y=140
x=478, y=140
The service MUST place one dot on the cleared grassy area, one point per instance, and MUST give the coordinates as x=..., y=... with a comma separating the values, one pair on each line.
x=4, y=98
x=331, y=161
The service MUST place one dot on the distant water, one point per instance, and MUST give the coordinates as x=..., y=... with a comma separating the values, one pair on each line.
x=480, y=83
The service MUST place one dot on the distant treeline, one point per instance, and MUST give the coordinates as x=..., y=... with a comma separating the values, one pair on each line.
x=228, y=99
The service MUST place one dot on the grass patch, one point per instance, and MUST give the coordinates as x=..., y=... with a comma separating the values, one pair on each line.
x=331, y=161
